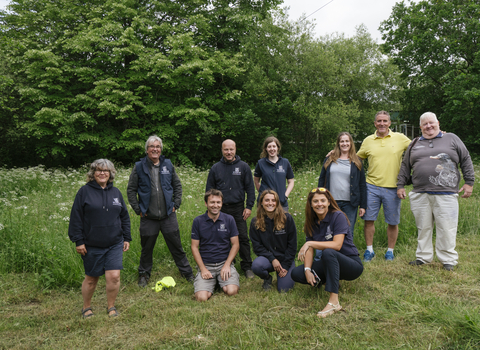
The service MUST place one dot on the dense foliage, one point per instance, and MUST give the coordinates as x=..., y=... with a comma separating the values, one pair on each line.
x=436, y=45
x=95, y=78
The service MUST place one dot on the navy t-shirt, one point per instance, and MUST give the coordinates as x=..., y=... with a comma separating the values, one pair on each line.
x=274, y=176
x=334, y=224
x=214, y=237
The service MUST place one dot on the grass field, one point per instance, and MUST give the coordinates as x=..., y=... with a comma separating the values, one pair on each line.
x=392, y=305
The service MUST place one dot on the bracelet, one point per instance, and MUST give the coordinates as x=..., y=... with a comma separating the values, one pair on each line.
x=307, y=268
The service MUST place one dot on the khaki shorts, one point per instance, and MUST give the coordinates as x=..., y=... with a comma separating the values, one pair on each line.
x=201, y=284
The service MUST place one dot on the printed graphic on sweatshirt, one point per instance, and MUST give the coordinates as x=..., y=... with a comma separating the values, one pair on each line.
x=237, y=172
x=116, y=201
x=447, y=176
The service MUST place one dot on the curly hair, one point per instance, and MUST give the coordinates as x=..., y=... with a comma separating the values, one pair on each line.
x=103, y=164
x=279, y=217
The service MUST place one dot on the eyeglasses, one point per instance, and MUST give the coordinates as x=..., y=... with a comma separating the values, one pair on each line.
x=98, y=171
x=155, y=147
x=430, y=144
x=321, y=189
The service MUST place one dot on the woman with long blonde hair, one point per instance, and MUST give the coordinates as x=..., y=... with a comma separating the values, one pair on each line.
x=274, y=240
x=343, y=175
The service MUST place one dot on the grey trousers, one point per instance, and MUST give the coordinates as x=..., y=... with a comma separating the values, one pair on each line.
x=149, y=231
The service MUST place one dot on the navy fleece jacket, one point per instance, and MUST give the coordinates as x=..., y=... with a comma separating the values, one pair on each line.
x=234, y=180
x=99, y=217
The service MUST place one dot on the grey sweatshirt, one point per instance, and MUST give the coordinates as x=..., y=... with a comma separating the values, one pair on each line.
x=434, y=163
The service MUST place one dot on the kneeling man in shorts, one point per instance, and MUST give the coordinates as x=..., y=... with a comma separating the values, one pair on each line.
x=214, y=246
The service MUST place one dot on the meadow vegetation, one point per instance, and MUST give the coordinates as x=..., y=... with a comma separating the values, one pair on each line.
x=392, y=305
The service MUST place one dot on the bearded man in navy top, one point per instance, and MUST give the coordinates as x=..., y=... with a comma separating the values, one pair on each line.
x=214, y=246
x=233, y=178
x=155, y=193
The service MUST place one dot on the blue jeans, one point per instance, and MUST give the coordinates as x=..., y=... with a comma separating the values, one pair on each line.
x=350, y=211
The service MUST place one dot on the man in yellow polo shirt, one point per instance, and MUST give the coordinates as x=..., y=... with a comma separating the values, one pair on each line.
x=384, y=150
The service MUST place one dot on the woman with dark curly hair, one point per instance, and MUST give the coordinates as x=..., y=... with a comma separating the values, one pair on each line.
x=327, y=229
x=274, y=240
x=100, y=228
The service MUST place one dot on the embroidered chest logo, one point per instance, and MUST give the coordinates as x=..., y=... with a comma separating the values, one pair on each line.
x=279, y=232
x=237, y=172
x=116, y=201
x=222, y=228
x=328, y=234
x=280, y=169
x=165, y=171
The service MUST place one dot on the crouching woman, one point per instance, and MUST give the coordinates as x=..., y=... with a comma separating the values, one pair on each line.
x=274, y=241
x=327, y=229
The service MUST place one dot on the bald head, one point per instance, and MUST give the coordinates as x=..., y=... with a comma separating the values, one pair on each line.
x=228, y=150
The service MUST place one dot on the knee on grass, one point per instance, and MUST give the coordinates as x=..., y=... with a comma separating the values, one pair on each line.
x=231, y=289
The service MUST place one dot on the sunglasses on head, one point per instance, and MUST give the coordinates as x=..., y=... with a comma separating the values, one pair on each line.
x=320, y=189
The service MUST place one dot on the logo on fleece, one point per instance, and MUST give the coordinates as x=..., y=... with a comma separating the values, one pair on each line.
x=116, y=201
x=165, y=171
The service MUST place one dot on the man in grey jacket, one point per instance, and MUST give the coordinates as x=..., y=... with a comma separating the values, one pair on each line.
x=434, y=159
x=155, y=193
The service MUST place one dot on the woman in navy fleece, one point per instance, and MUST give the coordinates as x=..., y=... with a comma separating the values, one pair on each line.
x=100, y=228
x=274, y=240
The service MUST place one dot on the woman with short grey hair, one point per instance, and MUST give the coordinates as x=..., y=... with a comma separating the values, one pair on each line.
x=100, y=227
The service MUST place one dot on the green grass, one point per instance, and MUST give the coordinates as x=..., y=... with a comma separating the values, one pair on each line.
x=392, y=305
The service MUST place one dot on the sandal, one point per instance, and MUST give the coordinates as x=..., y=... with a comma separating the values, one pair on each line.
x=85, y=310
x=329, y=312
x=113, y=308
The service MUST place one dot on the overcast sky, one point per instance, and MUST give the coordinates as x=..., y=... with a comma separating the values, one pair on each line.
x=343, y=15
x=337, y=16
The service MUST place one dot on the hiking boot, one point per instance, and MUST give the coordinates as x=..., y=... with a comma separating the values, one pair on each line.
x=142, y=281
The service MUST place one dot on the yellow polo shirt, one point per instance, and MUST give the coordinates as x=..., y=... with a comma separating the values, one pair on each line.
x=384, y=157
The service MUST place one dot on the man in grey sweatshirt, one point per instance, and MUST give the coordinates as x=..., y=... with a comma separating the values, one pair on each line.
x=434, y=158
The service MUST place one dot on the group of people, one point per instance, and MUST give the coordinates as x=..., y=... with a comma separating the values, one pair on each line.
x=100, y=224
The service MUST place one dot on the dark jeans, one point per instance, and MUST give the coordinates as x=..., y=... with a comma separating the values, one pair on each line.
x=350, y=211
x=331, y=268
x=236, y=210
x=149, y=230
x=262, y=267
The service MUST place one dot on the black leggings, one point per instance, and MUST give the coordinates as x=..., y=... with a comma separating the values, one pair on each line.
x=333, y=267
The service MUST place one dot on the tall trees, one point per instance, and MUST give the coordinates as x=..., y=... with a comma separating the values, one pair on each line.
x=314, y=88
x=99, y=76
x=95, y=78
x=436, y=44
